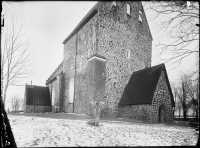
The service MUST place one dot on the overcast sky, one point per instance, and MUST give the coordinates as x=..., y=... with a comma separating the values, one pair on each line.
x=49, y=23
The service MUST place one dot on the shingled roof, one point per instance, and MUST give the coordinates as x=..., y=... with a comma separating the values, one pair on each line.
x=57, y=72
x=141, y=86
x=37, y=95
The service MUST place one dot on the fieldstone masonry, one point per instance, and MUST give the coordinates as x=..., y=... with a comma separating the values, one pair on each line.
x=161, y=96
x=109, y=32
x=150, y=112
x=37, y=109
x=96, y=81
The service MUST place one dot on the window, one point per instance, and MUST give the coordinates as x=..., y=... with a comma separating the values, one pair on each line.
x=140, y=14
x=114, y=84
x=114, y=3
x=53, y=97
x=128, y=53
x=71, y=91
x=128, y=9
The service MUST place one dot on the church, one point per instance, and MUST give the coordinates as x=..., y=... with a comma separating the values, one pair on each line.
x=107, y=59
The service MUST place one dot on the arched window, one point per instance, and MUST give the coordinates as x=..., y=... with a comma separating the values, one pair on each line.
x=53, y=97
x=114, y=84
x=71, y=91
x=128, y=9
x=128, y=53
x=140, y=16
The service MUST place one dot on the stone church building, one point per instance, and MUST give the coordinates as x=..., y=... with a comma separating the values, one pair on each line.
x=107, y=58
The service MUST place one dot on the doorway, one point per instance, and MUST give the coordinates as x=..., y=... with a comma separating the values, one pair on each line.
x=162, y=114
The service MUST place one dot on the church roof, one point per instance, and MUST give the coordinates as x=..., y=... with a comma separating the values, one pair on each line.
x=57, y=72
x=142, y=85
x=87, y=17
x=37, y=95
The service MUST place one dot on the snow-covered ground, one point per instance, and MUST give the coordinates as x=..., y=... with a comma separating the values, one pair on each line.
x=33, y=131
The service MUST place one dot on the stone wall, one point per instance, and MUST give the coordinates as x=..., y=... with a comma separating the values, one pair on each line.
x=69, y=69
x=118, y=32
x=108, y=33
x=57, y=85
x=161, y=96
x=37, y=109
x=77, y=50
x=86, y=45
x=151, y=112
x=139, y=112
x=61, y=94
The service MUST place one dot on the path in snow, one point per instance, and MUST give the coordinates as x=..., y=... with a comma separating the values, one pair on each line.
x=31, y=131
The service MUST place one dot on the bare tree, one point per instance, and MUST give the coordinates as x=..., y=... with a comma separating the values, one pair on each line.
x=16, y=102
x=194, y=94
x=178, y=105
x=180, y=20
x=16, y=53
x=183, y=94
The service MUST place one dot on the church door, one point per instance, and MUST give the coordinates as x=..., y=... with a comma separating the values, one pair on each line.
x=162, y=114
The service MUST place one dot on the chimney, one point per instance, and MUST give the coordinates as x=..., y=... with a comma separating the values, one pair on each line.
x=31, y=82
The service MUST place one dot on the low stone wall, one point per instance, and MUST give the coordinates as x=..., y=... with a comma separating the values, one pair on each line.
x=37, y=109
x=140, y=112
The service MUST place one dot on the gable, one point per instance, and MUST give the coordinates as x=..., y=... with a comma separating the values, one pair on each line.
x=141, y=86
x=108, y=6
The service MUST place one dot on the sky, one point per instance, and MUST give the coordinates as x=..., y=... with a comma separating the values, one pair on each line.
x=49, y=23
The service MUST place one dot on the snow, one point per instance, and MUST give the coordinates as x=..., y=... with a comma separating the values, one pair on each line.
x=33, y=131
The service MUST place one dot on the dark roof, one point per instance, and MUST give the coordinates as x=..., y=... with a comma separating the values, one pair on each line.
x=57, y=72
x=37, y=95
x=141, y=86
x=87, y=17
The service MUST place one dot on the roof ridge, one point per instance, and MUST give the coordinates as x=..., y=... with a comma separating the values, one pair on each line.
x=149, y=68
x=82, y=22
x=55, y=71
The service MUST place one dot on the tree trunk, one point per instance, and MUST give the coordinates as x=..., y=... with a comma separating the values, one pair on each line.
x=184, y=114
x=4, y=95
x=184, y=109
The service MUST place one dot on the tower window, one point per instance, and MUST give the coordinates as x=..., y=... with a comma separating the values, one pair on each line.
x=114, y=84
x=128, y=9
x=140, y=14
x=114, y=3
x=128, y=53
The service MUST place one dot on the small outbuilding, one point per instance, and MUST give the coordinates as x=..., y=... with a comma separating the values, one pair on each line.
x=37, y=99
x=148, y=96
